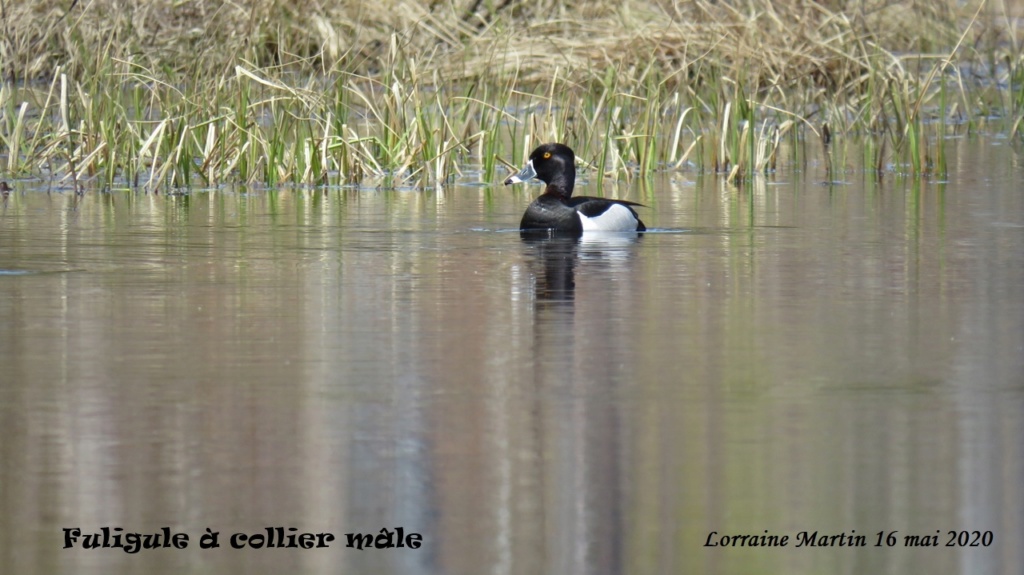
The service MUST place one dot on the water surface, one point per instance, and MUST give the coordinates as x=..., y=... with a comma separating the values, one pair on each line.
x=785, y=358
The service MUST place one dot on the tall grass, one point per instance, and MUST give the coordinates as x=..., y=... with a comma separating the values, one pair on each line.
x=164, y=96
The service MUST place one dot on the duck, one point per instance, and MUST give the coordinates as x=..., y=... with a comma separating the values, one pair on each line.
x=557, y=211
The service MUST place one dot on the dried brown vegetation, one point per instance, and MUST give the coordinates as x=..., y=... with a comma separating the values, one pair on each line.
x=782, y=43
x=308, y=90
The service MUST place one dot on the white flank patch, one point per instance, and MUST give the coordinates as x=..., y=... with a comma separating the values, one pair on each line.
x=617, y=218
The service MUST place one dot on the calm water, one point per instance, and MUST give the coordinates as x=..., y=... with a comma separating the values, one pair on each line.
x=845, y=360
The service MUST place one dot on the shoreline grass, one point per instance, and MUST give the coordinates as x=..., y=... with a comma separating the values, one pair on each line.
x=165, y=95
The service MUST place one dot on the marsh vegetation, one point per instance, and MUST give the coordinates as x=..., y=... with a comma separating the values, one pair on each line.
x=169, y=95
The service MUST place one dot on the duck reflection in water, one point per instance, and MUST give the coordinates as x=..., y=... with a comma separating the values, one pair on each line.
x=554, y=258
x=554, y=264
x=576, y=358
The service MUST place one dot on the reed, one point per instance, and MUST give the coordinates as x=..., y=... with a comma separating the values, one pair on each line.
x=163, y=96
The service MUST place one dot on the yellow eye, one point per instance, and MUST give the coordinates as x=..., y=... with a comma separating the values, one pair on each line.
x=547, y=155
